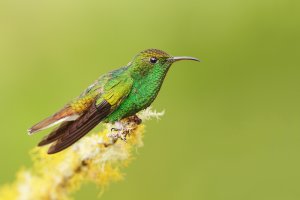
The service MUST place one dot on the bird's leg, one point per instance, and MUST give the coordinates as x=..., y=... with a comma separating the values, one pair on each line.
x=131, y=123
x=120, y=132
x=121, y=129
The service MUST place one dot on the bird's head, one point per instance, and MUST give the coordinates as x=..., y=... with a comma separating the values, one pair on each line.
x=154, y=59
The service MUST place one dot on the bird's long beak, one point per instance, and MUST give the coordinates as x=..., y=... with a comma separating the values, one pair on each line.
x=178, y=58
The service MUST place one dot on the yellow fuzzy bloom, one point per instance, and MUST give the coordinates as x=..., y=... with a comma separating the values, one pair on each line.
x=57, y=176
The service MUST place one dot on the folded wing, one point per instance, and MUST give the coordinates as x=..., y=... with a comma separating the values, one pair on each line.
x=114, y=92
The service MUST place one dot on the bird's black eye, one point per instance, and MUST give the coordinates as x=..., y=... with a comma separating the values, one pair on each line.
x=153, y=60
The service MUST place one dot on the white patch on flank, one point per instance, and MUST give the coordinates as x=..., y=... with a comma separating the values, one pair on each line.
x=69, y=118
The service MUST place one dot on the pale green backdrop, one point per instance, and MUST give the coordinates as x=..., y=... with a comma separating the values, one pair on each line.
x=232, y=125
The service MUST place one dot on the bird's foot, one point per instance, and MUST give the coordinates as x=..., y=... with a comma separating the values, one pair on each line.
x=119, y=131
x=116, y=136
x=122, y=129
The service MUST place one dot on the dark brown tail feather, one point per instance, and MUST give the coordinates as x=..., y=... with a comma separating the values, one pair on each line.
x=54, y=135
x=70, y=132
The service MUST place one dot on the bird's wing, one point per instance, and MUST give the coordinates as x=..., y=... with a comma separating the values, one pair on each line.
x=78, y=106
x=114, y=92
x=70, y=112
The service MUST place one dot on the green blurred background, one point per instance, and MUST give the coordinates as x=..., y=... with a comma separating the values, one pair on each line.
x=232, y=125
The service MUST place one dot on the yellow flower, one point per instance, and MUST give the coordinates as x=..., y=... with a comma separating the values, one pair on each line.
x=54, y=177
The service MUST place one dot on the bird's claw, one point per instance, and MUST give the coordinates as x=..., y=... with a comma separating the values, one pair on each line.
x=114, y=129
x=123, y=137
x=122, y=129
x=119, y=135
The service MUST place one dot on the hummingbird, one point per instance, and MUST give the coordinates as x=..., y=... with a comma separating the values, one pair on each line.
x=112, y=97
